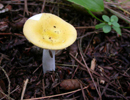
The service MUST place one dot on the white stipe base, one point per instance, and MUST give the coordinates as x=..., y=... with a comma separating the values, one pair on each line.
x=48, y=62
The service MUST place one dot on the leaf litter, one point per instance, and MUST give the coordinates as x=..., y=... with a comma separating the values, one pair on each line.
x=96, y=66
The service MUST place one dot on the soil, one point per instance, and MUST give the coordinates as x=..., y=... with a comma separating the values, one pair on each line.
x=95, y=67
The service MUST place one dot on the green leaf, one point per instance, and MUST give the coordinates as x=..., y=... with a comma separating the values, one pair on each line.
x=92, y=5
x=106, y=29
x=117, y=29
x=109, y=23
x=100, y=25
x=114, y=18
x=105, y=18
x=115, y=24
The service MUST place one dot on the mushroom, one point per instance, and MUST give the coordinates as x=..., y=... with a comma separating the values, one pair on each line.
x=51, y=33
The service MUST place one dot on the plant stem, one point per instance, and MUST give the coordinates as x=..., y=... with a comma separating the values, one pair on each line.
x=94, y=16
x=48, y=60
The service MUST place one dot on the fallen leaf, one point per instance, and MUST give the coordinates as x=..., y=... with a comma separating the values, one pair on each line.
x=70, y=84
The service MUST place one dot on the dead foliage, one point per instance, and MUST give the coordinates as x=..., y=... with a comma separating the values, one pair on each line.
x=96, y=66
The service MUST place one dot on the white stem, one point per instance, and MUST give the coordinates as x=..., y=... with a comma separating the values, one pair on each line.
x=48, y=60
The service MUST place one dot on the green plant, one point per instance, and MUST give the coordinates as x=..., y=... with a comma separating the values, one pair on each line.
x=98, y=6
x=109, y=23
x=91, y=5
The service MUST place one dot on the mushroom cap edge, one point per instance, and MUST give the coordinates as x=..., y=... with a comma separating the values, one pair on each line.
x=49, y=31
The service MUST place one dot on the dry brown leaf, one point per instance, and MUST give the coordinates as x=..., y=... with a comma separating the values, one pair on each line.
x=70, y=84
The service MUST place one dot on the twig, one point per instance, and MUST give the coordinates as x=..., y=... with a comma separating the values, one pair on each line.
x=82, y=91
x=84, y=68
x=77, y=60
x=91, y=76
x=89, y=33
x=17, y=87
x=120, y=86
x=25, y=7
x=80, y=46
x=88, y=44
x=85, y=27
x=117, y=5
x=43, y=6
x=104, y=90
x=123, y=10
x=43, y=85
x=67, y=65
x=57, y=94
x=81, y=53
x=127, y=19
x=36, y=69
x=75, y=72
x=5, y=33
x=80, y=59
x=5, y=95
x=24, y=88
x=15, y=34
x=8, y=82
x=113, y=92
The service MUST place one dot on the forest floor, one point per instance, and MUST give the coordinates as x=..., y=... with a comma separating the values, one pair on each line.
x=95, y=67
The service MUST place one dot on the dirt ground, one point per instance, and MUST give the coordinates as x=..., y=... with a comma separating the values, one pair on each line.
x=95, y=67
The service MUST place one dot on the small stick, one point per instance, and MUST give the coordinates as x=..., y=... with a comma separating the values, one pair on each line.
x=83, y=27
x=78, y=60
x=57, y=94
x=85, y=66
x=17, y=87
x=113, y=92
x=87, y=34
x=43, y=6
x=43, y=85
x=8, y=81
x=15, y=34
x=37, y=68
x=5, y=95
x=83, y=91
x=25, y=7
x=91, y=76
x=89, y=44
x=24, y=88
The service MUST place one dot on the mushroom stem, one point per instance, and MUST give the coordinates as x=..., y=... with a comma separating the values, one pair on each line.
x=48, y=60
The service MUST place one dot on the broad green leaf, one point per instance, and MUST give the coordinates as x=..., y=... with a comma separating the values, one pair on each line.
x=117, y=29
x=106, y=18
x=100, y=25
x=106, y=29
x=109, y=23
x=92, y=5
x=115, y=24
x=114, y=18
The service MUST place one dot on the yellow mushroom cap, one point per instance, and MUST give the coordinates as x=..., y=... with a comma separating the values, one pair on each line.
x=49, y=31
